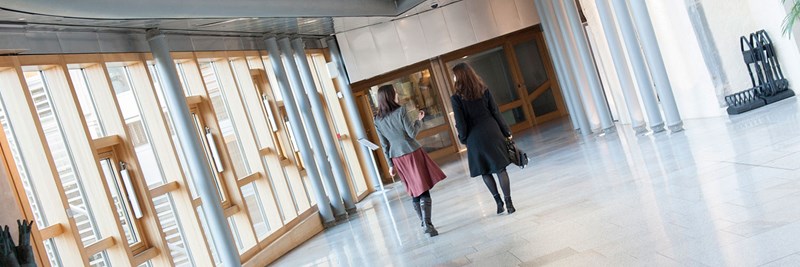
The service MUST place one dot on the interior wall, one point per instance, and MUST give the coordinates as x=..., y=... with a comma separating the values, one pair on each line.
x=731, y=19
x=690, y=79
x=375, y=49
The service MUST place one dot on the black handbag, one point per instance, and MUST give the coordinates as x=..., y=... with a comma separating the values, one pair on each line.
x=516, y=155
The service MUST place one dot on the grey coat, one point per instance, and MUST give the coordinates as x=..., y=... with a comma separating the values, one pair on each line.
x=397, y=132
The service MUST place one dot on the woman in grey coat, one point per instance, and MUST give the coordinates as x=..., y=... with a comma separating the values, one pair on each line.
x=482, y=129
x=404, y=154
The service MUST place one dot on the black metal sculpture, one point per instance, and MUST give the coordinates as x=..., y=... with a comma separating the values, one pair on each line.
x=21, y=255
x=766, y=75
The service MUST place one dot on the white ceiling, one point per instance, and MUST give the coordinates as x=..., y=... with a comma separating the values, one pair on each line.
x=236, y=17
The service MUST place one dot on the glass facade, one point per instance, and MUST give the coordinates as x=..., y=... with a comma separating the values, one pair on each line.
x=121, y=103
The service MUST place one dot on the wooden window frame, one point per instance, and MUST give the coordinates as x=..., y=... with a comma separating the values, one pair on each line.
x=110, y=153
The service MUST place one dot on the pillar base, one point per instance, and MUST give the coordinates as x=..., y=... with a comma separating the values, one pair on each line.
x=640, y=130
x=610, y=130
x=329, y=224
x=676, y=128
x=657, y=128
x=352, y=211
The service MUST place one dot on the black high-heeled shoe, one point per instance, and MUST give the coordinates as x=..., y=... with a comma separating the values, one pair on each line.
x=510, y=205
x=499, y=201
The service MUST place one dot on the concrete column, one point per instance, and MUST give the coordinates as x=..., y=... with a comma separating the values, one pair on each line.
x=322, y=125
x=652, y=52
x=639, y=67
x=322, y=166
x=562, y=82
x=580, y=96
x=301, y=140
x=621, y=65
x=352, y=112
x=195, y=155
x=567, y=82
x=572, y=20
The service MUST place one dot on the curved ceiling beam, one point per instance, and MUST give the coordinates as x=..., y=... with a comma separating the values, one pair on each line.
x=182, y=9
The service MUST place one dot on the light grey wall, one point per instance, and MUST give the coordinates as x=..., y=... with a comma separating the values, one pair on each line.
x=371, y=50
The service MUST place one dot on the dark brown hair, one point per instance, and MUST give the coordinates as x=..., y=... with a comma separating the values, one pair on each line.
x=468, y=84
x=386, y=103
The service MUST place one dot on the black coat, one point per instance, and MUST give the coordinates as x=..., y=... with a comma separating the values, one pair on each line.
x=481, y=127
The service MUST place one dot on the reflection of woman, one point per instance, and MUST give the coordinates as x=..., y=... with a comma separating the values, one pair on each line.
x=417, y=171
x=481, y=127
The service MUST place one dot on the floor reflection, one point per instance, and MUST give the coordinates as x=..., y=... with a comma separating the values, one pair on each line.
x=722, y=193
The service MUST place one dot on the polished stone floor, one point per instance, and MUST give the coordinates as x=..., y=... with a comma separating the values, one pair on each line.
x=725, y=192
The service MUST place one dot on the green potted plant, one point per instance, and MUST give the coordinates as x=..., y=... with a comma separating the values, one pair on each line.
x=791, y=18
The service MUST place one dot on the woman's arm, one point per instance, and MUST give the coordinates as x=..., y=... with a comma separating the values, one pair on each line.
x=497, y=116
x=385, y=145
x=461, y=124
x=411, y=127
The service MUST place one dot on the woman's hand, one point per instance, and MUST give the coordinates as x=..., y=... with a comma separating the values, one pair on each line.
x=391, y=171
x=421, y=115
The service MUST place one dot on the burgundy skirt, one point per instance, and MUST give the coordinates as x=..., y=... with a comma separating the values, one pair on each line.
x=418, y=172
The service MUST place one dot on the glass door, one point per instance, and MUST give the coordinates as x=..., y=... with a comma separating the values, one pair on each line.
x=417, y=91
x=536, y=75
x=519, y=73
x=493, y=66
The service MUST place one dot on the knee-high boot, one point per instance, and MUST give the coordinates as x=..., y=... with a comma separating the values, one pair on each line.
x=426, y=217
x=419, y=213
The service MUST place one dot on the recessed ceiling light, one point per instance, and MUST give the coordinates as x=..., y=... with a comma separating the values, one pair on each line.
x=21, y=19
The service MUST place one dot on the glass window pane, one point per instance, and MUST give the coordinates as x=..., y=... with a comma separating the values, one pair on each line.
x=137, y=128
x=124, y=212
x=226, y=124
x=416, y=92
x=209, y=238
x=255, y=208
x=173, y=233
x=236, y=236
x=70, y=178
x=514, y=116
x=30, y=190
x=530, y=62
x=177, y=143
x=492, y=66
x=52, y=253
x=328, y=89
x=99, y=260
x=436, y=141
x=90, y=114
x=276, y=93
x=544, y=103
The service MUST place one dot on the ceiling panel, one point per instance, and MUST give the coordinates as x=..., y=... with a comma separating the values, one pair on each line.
x=322, y=26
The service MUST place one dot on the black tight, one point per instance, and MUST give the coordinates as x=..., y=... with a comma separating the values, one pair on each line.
x=426, y=195
x=504, y=183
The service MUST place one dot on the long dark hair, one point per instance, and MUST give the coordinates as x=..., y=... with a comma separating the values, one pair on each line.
x=469, y=85
x=386, y=103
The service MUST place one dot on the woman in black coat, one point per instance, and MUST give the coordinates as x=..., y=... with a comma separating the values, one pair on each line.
x=482, y=129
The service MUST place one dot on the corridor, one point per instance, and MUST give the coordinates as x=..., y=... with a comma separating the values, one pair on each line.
x=722, y=193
